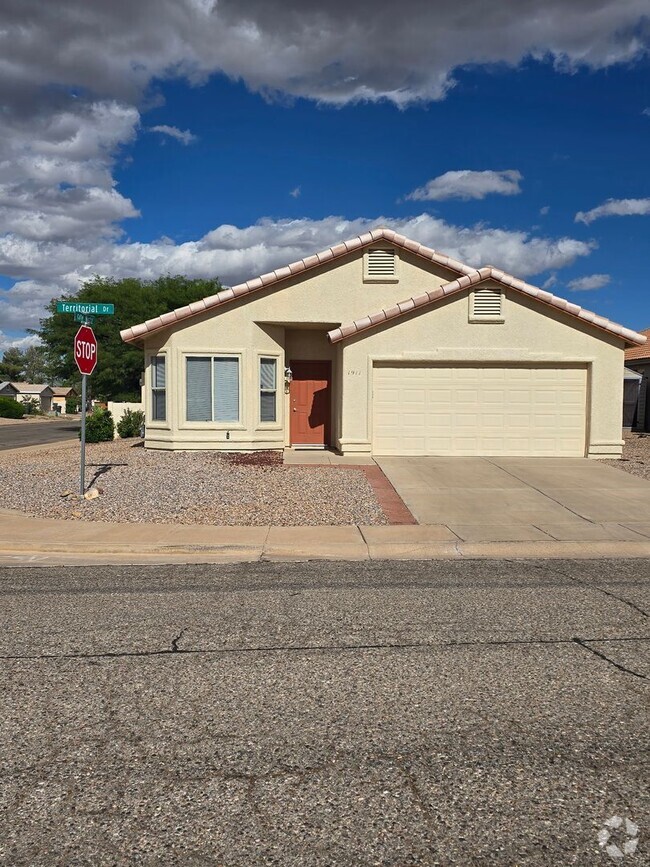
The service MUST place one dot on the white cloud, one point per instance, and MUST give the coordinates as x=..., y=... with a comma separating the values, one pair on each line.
x=21, y=343
x=56, y=172
x=182, y=135
x=646, y=111
x=74, y=75
x=614, y=208
x=466, y=184
x=592, y=281
x=334, y=52
x=550, y=282
x=235, y=254
x=544, y=211
x=295, y=192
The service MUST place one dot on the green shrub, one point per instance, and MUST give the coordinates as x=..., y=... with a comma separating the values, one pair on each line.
x=99, y=426
x=130, y=423
x=71, y=405
x=10, y=408
x=32, y=406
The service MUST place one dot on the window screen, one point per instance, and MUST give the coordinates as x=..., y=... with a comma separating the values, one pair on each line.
x=199, y=390
x=268, y=389
x=158, y=388
x=225, y=384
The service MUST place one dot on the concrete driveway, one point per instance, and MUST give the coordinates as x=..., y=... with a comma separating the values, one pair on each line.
x=521, y=499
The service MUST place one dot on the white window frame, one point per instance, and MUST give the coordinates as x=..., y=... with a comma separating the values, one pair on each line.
x=474, y=317
x=276, y=424
x=212, y=424
x=152, y=388
x=371, y=278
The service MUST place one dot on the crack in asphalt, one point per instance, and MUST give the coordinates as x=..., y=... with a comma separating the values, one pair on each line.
x=590, y=586
x=326, y=648
x=175, y=648
x=581, y=642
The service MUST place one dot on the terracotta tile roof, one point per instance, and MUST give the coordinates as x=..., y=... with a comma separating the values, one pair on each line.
x=642, y=351
x=472, y=278
x=336, y=252
x=465, y=273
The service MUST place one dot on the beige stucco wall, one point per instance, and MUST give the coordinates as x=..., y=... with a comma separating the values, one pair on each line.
x=290, y=322
x=118, y=409
x=530, y=334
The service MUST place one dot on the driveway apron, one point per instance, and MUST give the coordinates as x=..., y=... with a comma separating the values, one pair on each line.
x=540, y=494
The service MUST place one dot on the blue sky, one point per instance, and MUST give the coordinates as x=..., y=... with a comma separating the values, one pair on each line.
x=188, y=154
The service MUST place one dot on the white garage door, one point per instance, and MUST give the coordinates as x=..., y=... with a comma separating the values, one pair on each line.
x=486, y=410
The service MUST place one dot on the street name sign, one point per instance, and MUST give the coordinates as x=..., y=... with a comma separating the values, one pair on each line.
x=86, y=308
x=85, y=350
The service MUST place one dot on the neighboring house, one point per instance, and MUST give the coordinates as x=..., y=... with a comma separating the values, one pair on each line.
x=8, y=390
x=631, y=386
x=638, y=358
x=27, y=390
x=60, y=394
x=382, y=346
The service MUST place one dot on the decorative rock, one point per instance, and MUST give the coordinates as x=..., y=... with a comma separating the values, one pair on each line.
x=91, y=494
x=188, y=488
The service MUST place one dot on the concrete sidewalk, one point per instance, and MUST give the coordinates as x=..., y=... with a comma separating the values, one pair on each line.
x=40, y=541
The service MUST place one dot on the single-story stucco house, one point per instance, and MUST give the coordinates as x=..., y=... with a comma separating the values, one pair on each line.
x=60, y=394
x=28, y=390
x=638, y=358
x=380, y=345
x=8, y=390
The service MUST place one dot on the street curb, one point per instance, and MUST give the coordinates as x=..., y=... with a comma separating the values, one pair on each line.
x=115, y=554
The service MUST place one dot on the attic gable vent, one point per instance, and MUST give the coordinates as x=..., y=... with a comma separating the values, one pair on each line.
x=486, y=304
x=380, y=264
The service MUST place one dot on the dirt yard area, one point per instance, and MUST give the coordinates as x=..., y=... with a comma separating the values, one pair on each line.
x=139, y=485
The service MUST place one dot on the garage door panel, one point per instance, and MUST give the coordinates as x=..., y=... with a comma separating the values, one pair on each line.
x=470, y=410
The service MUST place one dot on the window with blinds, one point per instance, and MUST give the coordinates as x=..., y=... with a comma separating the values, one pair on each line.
x=380, y=264
x=158, y=389
x=268, y=389
x=486, y=304
x=212, y=388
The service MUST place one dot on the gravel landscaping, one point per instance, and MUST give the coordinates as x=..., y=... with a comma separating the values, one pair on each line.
x=138, y=485
x=636, y=455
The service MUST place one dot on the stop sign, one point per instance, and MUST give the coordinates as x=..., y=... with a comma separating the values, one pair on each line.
x=85, y=349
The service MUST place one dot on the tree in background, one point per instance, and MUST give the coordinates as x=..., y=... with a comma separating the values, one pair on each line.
x=35, y=365
x=119, y=365
x=29, y=365
x=12, y=365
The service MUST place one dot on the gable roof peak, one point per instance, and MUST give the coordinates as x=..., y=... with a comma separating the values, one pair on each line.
x=473, y=277
x=465, y=275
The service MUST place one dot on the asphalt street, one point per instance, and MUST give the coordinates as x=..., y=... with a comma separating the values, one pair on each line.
x=33, y=433
x=373, y=713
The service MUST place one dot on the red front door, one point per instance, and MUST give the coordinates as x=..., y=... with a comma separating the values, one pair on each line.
x=310, y=396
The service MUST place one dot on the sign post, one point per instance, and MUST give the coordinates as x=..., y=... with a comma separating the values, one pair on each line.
x=85, y=355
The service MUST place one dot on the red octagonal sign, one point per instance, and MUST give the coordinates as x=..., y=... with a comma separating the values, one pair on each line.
x=85, y=349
